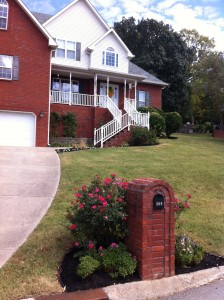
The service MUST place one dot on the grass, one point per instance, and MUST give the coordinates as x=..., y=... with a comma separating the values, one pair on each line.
x=191, y=164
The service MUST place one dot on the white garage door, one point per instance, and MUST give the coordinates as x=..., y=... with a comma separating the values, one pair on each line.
x=17, y=129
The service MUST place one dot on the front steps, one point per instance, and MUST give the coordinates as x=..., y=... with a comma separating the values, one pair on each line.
x=121, y=138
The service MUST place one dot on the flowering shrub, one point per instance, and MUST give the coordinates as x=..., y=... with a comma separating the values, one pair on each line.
x=181, y=204
x=98, y=212
x=187, y=253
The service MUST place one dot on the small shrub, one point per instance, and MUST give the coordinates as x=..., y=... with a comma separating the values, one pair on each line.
x=183, y=251
x=141, y=136
x=199, y=254
x=157, y=123
x=187, y=253
x=87, y=266
x=173, y=122
x=55, y=121
x=69, y=124
x=117, y=261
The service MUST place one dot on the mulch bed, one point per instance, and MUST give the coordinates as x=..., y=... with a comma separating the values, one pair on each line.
x=73, y=283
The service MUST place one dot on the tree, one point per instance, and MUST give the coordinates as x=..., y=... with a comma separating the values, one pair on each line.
x=206, y=79
x=161, y=51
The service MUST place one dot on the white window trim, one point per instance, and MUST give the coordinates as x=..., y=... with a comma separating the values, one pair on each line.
x=110, y=50
x=9, y=67
x=5, y=4
x=66, y=49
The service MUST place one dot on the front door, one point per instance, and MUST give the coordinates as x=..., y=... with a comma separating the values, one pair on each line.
x=113, y=91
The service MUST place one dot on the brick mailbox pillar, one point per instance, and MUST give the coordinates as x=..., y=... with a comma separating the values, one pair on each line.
x=150, y=207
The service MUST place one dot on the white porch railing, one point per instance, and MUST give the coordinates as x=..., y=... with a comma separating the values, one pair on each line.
x=132, y=102
x=140, y=119
x=108, y=130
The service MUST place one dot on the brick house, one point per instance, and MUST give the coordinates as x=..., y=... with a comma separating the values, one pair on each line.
x=24, y=77
x=90, y=74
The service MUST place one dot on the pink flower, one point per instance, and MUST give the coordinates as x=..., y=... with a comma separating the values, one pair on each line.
x=113, y=175
x=94, y=207
x=81, y=205
x=78, y=195
x=189, y=196
x=76, y=244
x=187, y=205
x=119, y=199
x=101, y=254
x=101, y=198
x=102, y=210
x=91, y=245
x=107, y=181
x=73, y=227
x=84, y=187
x=96, y=190
x=91, y=195
x=77, y=201
x=114, y=245
x=101, y=248
x=105, y=203
x=125, y=218
x=109, y=196
x=105, y=218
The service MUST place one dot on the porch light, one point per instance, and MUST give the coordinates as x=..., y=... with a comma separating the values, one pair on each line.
x=41, y=114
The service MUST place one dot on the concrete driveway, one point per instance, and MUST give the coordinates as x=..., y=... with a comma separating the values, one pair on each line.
x=29, y=179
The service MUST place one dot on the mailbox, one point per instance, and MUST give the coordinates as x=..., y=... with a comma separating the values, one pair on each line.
x=158, y=201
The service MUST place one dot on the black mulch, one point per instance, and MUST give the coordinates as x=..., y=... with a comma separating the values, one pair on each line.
x=73, y=283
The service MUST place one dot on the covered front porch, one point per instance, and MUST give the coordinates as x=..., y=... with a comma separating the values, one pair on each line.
x=92, y=88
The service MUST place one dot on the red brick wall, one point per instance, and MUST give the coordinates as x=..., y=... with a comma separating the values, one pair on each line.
x=31, y=92
x=87, y=118
x=155, y=93
x=151, y=232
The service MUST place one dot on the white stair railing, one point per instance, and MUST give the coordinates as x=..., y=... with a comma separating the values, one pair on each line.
x=109, y=104
x=108, y=130
x=140, y=119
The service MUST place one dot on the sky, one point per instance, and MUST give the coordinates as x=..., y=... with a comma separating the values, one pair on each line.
x=206, y=16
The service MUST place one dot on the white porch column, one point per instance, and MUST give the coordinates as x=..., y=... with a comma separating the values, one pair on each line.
x=125, y=83
x=135, y=94
x=95, y=89
x=108, y=81
x=70, y=95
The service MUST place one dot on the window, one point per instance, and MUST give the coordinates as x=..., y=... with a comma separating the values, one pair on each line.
x=63, y=85
x=4, y=9
x=142, y=98
x=110, y=58
x=68, y=49
x=6, y=63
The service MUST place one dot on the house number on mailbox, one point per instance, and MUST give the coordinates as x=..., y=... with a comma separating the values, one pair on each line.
x=158, y=201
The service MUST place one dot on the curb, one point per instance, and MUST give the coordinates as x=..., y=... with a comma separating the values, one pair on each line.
x=153, y=289
x=144, y=290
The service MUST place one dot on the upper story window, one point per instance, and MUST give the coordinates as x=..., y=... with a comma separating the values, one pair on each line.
x=110, y=58
x=68, y=49
x=4, y=9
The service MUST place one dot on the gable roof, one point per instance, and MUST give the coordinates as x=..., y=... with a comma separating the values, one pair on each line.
x=92, y=46
x=136, y=70
x=42, y=18
x=71, y=4
x=51, y=41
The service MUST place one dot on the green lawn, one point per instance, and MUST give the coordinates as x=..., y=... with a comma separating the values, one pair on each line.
x=191, y=164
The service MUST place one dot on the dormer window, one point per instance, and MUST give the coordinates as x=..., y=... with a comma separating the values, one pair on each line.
x=110, y=58
x=4, y=9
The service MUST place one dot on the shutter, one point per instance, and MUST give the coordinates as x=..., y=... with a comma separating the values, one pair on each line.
x=147, y=98
x=137, y=102
x=116, y=60
x=15, y=68
x=103, y=58
x=81, y=87
x=78, y=51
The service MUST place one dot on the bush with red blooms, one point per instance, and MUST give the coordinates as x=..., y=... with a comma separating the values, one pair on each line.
x=98, y=213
